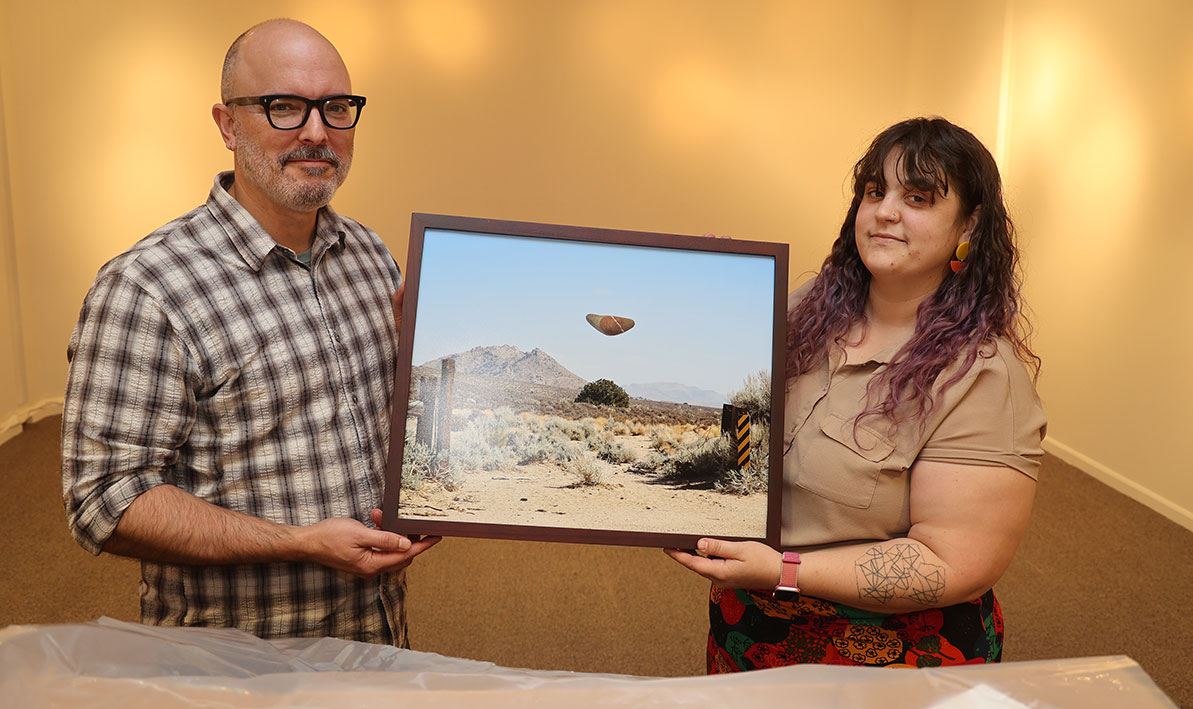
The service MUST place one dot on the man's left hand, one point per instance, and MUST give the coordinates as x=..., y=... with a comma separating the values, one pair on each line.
x=398, y=298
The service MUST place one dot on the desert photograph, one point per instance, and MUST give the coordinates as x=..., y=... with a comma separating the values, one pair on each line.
x=584, y=385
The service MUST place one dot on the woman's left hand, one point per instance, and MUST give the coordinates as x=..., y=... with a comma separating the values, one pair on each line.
x=733, y=564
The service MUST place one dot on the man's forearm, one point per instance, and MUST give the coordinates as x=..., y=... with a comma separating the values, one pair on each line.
x=169, y=525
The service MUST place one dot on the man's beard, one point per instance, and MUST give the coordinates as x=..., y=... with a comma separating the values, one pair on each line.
x=283, y=189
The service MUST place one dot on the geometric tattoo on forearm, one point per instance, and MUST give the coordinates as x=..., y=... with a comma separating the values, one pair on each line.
x=898, y=570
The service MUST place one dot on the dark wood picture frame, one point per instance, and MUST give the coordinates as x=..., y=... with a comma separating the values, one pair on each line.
x=414, y=526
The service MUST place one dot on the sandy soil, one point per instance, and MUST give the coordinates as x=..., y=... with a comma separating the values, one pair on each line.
x=546, y=494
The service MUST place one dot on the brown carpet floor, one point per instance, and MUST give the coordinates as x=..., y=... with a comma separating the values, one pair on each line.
x=1098, y=574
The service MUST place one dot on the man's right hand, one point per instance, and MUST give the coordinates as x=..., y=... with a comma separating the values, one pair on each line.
x=350, y=546
x=166, y=524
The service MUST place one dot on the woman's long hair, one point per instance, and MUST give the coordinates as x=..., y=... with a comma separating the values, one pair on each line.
x=967, y=310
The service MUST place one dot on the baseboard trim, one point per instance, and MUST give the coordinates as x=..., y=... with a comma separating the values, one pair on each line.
x=32, y=413
x=1119, y=482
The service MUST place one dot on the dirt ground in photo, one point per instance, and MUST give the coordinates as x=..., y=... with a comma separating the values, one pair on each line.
x=546, y=494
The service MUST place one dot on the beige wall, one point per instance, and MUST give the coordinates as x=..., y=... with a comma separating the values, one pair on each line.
x=953, y=64
x=13, y=395
x=685, y=116
x=674, y=115
x=1099, y=164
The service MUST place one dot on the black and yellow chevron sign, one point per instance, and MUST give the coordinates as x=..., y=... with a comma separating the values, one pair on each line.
x=742, y=437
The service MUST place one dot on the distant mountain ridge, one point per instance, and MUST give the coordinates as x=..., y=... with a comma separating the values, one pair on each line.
x=677, y=393
x=538, y=367
x=509, y=362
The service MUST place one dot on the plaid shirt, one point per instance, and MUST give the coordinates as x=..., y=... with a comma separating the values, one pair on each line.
x=210, y=358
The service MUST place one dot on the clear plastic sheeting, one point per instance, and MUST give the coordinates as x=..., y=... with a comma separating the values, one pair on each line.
x=112, y=663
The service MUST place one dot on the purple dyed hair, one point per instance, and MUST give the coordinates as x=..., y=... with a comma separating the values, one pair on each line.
x=967, y=310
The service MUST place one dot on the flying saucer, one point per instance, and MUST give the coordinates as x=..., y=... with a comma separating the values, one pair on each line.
x=609, y=324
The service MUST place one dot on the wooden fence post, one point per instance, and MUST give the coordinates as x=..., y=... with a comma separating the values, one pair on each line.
x=443, y=422
x=425, y=433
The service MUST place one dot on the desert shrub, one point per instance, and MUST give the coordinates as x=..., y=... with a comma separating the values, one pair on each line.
x=663, y=439
x=590, y=428
x=754, y=396
x=572, y=429
x=470, y=453
x=742, y=482
x=503, y=426
x=698, y=458
x=759, y=440
x=612, y=450
x=587, y=470
x=534, y=450
x=617, y=428
x=503, y=439
x=545, y=445
x=484, y=443
x=653, y=460
x=416, y=461
x=421, y=465
x=603, y=392
x=700, y=461
x=756, y=478
x=671, y=438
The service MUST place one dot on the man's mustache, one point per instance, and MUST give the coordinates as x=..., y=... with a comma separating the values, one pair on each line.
x=310, y=152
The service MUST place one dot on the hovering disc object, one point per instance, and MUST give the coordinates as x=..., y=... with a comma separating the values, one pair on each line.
x=609, y=324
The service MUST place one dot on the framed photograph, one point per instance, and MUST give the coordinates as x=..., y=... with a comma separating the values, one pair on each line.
x=572, y=384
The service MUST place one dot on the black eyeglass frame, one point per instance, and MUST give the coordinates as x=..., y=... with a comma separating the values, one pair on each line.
x=319, y=103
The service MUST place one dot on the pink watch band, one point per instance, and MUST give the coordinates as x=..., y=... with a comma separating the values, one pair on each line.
x=789, y=576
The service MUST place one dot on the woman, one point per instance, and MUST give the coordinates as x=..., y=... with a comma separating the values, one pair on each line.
x=913, y=430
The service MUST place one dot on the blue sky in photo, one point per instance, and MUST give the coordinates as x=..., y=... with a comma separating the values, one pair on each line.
x=483, y=289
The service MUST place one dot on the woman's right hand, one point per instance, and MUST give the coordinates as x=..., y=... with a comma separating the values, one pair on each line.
x=751, y=565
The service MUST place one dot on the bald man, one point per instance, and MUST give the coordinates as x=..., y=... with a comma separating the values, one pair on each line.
x=227, y=411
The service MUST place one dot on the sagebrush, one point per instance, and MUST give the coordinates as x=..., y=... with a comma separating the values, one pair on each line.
x=502, y=440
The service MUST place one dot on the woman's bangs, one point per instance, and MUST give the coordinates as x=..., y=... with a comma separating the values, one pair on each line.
x=921, y=170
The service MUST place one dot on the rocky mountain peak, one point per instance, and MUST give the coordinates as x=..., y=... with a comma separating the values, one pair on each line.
x=509, y=362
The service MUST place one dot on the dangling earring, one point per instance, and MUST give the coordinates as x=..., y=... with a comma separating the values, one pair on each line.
x=959, y=263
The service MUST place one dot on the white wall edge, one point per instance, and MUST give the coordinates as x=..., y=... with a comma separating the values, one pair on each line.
x=32, y=413
x=1121, y=483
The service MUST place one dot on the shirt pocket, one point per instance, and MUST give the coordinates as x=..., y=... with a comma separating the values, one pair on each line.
x=840, y=466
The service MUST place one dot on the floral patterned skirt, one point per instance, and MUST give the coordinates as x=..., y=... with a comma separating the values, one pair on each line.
x=750, y=630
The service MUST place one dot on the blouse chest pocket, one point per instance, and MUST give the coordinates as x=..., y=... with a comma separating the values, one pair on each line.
x=841, y=465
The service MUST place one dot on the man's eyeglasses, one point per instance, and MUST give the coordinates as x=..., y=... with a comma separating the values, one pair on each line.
x=286, y=112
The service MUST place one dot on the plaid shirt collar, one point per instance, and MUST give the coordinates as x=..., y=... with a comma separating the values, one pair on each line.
x=251, y=240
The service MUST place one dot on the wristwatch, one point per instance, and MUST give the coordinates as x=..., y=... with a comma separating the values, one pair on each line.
x=788, y=588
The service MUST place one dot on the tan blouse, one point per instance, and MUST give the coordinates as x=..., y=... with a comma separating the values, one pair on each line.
x=841, y=488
